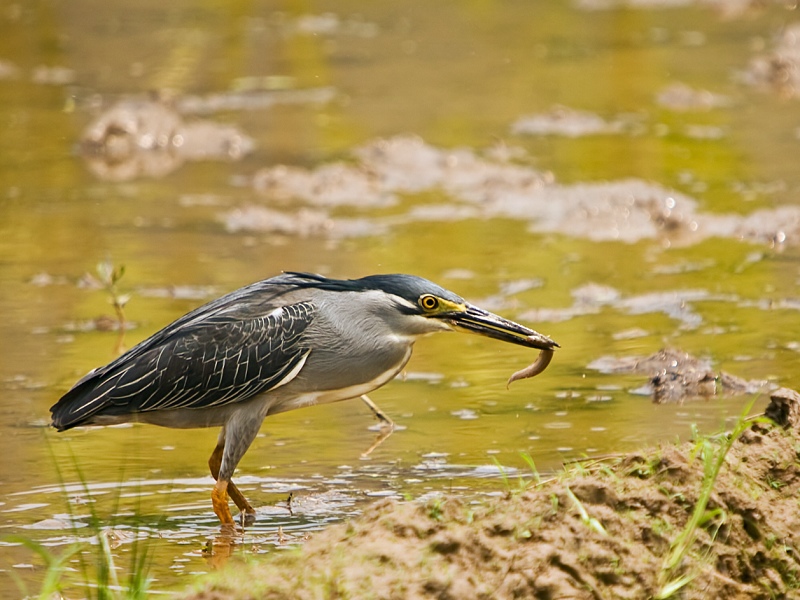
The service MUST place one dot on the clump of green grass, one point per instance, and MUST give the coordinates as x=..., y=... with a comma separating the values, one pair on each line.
x=523, y=482
x=713, y=450
x=101, y=582
x=590, y=522
x=56, y=566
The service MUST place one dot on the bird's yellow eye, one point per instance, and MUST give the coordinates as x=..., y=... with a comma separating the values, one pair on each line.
x=429, y=302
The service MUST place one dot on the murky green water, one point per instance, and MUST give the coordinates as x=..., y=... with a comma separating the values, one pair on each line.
x=457, y=75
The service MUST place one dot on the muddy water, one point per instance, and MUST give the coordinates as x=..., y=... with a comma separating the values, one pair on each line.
x=621, y=179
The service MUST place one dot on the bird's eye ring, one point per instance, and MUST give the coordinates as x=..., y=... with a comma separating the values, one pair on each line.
x=429, y=302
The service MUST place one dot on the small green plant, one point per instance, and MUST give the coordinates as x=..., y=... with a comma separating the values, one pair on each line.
x=537, y=479
x=522, y=482
x=660, y=526
x=109, y=277
x=503, y=475
x=774, y=483
x=436, y=509
x=590, y=522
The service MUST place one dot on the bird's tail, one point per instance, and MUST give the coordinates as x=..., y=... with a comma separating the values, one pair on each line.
x=78, y=405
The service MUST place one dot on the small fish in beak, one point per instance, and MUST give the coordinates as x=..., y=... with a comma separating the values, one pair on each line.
x=532, y=370
x=482, y=322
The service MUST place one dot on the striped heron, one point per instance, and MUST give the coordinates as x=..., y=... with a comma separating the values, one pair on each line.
x=283, y=343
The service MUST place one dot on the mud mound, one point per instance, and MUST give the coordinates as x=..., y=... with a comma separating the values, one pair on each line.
x=488, y=185
x=779, y=69
x=149, y=138
x=676, y=376
x=600, y=531
x=568, y=122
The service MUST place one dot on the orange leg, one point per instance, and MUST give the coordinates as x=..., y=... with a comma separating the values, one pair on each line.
x=229, y=489
x=219, y=499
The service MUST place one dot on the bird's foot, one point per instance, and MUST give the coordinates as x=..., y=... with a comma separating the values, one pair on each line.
x=219, y=500
x=383, y=419
x=247, y=517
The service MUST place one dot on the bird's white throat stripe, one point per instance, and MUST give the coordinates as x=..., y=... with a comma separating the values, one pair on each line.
x=403, y=301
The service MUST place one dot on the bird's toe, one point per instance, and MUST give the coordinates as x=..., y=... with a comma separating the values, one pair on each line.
x=247, y=517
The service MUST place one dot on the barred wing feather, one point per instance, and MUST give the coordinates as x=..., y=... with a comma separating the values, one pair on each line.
x=224, y=357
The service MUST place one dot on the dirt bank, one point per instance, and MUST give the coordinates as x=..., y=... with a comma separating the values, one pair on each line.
x=603, y=529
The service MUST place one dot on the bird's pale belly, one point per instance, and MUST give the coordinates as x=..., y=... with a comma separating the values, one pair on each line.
x=293, y=401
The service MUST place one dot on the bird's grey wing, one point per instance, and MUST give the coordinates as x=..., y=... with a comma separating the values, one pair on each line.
x=224, y=358
x=248, y=302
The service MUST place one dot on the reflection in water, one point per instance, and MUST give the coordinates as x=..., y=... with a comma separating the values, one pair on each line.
x=219, y=550
x=183, y=532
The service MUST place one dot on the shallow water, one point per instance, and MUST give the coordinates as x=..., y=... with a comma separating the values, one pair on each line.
x=524, y=209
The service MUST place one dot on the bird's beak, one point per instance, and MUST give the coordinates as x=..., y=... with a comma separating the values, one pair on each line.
x=477, y=320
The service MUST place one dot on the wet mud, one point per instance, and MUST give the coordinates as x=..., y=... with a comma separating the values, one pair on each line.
x=567, y=122
x=603, y=530
x=778, y=68
x=479, y=185
x=728, y=9
x=680, y=97
x=147, y=138
x=676, y=376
